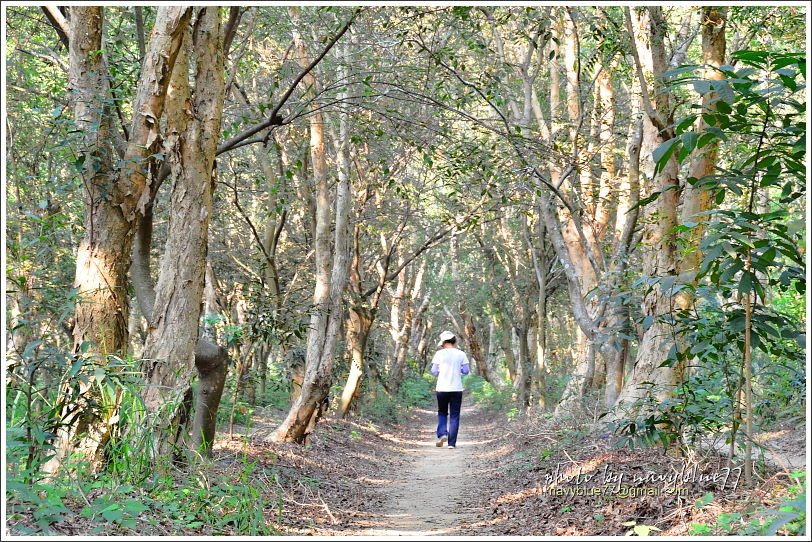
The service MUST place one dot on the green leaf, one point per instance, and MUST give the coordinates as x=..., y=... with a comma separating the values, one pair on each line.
x=688, y=68
x=706, y=499
x=723, y=107
x=746, y=284
x=702, y=87
x=28, y=353
x=730, y=269
x=769, y=256
x=685, y=123
x=663, y=152
x=645, y=201
x=112, y=513
x=74, y=370
x=689, y=140
x=782, y=518
x=720, y=197
x=706, y=138
x=667, y=282
x=133, y=506
x=756, y=58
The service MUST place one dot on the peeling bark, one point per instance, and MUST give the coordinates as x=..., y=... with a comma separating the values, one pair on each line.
x=112, y=200
x=191, y=143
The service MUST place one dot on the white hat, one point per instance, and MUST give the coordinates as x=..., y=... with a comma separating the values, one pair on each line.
x=445, y=336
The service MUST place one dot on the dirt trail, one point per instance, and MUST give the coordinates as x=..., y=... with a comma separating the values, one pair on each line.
x=785, y=448
x=425, y=498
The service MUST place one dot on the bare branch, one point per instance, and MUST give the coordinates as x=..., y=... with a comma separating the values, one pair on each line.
x=275, y=119
x=234, y=16
x=431, y=242
x=49, y=57
x=139, y=32
x=247, y=219
x=59, y=22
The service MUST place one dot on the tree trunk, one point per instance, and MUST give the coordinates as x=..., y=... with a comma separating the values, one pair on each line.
x=607, y=193
x=489, y=354
x=616, y=348
x=579, y=256
x=580, y=279
x=211, y=363
x=362, y=312
x=211, y=360
x=615, y=352
x=243, y=351
x=475, y=350
x=420, y=326
x=112, y=199
x=541, y=350
x=505, y=339
x=581, y=378
x=526, y=377
x=423, y=347
x=193, y=132
x=703, y=163
x=540, y=267
x=400, y=328
x=648, y=376
x=264, y=353
x=330, y=277
x=360, y=322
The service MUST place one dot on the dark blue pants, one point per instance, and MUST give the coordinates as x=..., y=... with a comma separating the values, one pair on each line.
x=446, y=399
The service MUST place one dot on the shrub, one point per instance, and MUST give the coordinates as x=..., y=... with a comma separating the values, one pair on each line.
x=415, y=391
x=380, y=408
x=484, y=393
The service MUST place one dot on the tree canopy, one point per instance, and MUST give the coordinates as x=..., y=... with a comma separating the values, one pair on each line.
x=223, y=214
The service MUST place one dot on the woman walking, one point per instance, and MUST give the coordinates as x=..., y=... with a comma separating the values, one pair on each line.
x=448, y=365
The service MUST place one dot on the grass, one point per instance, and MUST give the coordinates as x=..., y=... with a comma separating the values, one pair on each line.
x=204, y=500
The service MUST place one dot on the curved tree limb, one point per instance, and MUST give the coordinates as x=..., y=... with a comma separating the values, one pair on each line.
x=59, y=22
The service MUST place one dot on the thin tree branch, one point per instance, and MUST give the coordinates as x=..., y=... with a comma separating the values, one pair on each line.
x=139, y=32
x=275, y=118
x=49, y=57
x=431, y=242
x=234, y=16
x=247, y=219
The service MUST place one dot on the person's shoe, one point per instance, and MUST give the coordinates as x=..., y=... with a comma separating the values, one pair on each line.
x=451, y=447
x=441, y=441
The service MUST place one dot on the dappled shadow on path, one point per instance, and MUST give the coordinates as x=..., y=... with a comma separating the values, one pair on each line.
x=426, y=497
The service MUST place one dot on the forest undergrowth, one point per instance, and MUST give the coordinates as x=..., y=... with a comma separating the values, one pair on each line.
x=569, y=479
x=528, y=476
